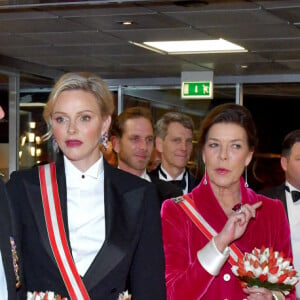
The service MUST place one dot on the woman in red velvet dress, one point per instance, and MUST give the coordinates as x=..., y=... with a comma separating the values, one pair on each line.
x=198, y=267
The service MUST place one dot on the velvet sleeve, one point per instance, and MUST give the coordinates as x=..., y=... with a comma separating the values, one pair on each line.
x=185, y=277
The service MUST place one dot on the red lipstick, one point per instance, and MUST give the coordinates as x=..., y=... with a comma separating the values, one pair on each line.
x=73, y=143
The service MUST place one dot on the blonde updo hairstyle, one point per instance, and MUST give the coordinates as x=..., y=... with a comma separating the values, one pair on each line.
x=79, y=81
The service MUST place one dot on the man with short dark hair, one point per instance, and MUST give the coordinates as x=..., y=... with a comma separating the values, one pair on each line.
x=133, y=140
x=132, y=137
x=174, y=136
x=289, y=191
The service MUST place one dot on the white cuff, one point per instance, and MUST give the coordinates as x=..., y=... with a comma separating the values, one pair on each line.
x=211, y=259
x=276, y=295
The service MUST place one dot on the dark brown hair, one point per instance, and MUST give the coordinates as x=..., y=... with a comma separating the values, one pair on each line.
x=229, y=113
x=289, y=141
x=118, y=125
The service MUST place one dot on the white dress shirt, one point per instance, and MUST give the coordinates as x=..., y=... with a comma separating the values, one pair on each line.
x=86, y=219
x=293, y=209
x=3, y=285
x=179, y=177
x=145, y=176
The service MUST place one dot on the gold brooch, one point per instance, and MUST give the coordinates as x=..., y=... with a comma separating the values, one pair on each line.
x=15, y=261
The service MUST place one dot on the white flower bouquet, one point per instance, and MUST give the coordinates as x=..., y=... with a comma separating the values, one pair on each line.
x=124, y=296
x=266, y=268
x=44, y=296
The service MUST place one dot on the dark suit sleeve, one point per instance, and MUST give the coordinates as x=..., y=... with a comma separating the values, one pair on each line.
x=16, y=193
x=147, y=272
x=10, y=219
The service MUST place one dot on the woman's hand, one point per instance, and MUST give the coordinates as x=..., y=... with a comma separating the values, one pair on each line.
x=256, y=293
x=236, y=225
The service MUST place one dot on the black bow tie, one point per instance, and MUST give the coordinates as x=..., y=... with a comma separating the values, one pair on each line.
x=180, y=183
x=295, y=194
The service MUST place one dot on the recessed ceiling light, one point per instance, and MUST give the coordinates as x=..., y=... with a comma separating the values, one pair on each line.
x=192, y=46
x=126, y=23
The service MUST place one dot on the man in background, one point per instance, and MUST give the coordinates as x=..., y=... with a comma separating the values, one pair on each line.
x=132, y=137
x=9, y=268
x=174, y=137
x=289, y=191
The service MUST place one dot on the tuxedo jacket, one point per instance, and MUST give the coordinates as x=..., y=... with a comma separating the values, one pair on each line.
x=192, y=181
x=165, y=189
x=132, y=254
x=6, y=232
x=277, y=192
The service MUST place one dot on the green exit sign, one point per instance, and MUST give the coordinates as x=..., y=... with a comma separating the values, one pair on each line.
x=197, y=90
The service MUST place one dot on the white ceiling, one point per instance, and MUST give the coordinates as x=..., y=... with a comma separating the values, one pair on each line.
x=47, y=39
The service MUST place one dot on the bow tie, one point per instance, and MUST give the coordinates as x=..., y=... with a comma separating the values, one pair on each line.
x=180, y=183
x=295, y=194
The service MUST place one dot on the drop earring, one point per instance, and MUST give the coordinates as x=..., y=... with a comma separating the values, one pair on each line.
x=55, y=145
x=246, y=178
x=205, y=180
x=104, y=140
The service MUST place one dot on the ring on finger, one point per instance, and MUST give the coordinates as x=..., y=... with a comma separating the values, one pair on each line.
x=237, y=208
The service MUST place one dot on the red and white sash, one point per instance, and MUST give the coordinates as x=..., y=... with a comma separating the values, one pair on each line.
x=57, y=235
x=189, y=207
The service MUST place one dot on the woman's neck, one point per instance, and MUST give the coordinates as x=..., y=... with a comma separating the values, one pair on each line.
x=227, y=197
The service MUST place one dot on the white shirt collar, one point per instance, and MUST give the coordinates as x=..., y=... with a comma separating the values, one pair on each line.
x=292, y=207
x=93, y=172
x=145, y=176
x=169, y=177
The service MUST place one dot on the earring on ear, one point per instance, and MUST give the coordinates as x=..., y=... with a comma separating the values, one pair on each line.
x=55, y=145
x=246, y=178
x=205, y=180
x=104, y=140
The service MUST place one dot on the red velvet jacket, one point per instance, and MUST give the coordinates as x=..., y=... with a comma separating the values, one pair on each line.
x=186, y=279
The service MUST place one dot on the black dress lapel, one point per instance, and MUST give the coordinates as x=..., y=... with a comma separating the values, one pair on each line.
x=62, y=189
x=121, y=221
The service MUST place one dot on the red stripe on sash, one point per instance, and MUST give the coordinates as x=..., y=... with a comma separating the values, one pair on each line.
x=62, y=236
x=205, y=229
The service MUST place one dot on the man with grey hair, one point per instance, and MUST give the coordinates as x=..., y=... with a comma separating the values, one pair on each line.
x=174, y=136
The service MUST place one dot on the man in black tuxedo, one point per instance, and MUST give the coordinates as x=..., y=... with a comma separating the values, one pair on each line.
x=132, y=137
x=9, y=264
x=174, y=137
x=289, y=191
